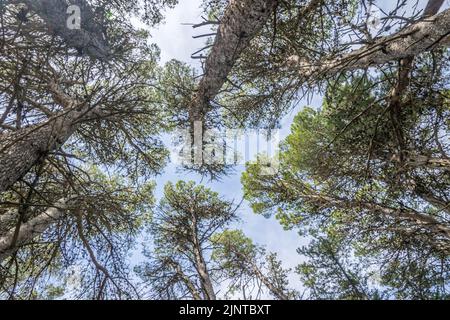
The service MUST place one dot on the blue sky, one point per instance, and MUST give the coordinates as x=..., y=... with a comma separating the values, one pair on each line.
x=176, y=42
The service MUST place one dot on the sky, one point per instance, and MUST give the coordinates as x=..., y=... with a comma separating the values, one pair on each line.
x=174, y=38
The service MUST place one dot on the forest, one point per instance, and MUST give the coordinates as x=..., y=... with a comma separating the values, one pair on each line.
x=116, y=175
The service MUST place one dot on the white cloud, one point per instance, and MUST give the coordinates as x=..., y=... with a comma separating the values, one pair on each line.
x=173, y=37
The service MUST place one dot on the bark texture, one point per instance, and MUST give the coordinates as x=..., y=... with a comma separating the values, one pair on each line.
x=21, y=150
x=242, y=21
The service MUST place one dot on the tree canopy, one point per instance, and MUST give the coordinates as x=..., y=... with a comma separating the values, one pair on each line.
x=87, y=111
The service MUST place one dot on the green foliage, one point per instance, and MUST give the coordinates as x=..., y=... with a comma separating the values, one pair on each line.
x=182, y=229
x=342, y=172
x=365, y=177
x=231, y=246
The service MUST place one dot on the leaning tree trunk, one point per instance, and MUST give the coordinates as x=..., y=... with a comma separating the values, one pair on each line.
x=252, y=267
x=420, y=37
x=189, y=285
x=396, y=104
x=241, y=22
x=277, y=292
x=433, y=7
x=21, y=150
x=423, y=220
x=26, y=232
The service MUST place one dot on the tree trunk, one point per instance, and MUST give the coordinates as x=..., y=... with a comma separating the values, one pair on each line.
x=421, y=219
x=200, y=264
x=426, y=221
x=10, y=242
x=22, y=149
x=279, y=294
x=425, y=161
x=190, y=286
x=241, y=22
x=422, y=191
x=418, y=38
x=433, y=7
x=403, y=80
x=353, y=283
